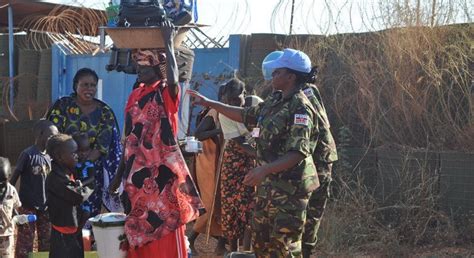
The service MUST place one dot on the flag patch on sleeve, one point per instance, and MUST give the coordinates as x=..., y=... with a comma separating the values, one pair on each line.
x=301, y=119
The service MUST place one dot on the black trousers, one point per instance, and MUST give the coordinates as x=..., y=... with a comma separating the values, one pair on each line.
x=66, y=245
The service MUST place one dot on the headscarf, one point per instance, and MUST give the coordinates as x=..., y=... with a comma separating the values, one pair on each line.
x=149, y=57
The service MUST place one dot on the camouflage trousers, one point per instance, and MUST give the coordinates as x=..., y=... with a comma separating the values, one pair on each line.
x=278, y=222
x=6, y=246
x=26, y=233
x=316, y=206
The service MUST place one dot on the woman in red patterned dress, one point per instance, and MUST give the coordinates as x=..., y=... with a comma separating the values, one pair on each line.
x=160, y=194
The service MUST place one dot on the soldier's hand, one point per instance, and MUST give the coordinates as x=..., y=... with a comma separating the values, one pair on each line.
x=198, y=98
x=255, y=176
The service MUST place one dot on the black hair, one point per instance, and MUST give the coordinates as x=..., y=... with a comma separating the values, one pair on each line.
x=220, y=92
x=5, y=167
x=56, y=143
x=41, y=126
x=233, y=88
x=302, y=77
x=82, y=73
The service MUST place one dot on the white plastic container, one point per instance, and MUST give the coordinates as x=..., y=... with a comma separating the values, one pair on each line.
x=192, y=145
x=108, y=228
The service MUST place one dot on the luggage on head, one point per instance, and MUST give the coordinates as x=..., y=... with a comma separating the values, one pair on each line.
x=140, y=13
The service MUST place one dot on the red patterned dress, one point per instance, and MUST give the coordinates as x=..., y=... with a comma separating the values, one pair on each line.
x=162, y=195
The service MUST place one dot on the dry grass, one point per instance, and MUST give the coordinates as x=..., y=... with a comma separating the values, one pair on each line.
x=364, y=218
x=409, y=86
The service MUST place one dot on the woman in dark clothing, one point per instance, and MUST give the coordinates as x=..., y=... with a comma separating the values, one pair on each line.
x=64, y=197
x=206, y=169
x=82, y=113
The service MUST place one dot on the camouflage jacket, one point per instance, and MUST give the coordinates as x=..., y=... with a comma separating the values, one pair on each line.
x=326, y=146
x=286, y=124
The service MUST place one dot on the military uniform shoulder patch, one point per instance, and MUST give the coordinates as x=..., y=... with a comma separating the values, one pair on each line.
x=301, y=119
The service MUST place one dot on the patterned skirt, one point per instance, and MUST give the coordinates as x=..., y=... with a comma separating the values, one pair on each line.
x=236, y=198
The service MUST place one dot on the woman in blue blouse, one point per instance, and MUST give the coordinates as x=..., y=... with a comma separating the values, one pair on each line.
x=82, y=112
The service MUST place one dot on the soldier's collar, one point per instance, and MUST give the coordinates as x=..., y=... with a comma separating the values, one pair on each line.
x=295, y=90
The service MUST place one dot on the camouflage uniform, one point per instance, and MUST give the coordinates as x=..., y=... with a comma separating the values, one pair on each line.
x=285, y=124
x=324, y=155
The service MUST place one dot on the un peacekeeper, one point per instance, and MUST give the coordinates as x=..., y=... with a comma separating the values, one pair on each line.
x=286, y=138
x=324, y=156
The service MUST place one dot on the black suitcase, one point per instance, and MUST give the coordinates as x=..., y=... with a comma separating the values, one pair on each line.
x=140, y=13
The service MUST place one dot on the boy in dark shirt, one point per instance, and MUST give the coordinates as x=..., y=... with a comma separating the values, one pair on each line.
x=65, y=196
x=33, y=166
x=85, y=170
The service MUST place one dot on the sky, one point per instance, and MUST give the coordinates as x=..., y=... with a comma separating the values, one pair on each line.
x=323, y=17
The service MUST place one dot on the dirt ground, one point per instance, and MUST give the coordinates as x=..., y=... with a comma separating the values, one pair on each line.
x=206, y=250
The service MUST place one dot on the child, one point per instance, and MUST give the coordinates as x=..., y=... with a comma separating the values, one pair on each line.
x=33, y=166
x=65, y=196
x=9, y=202
x=85, y=170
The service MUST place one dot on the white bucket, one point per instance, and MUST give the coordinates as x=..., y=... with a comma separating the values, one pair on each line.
x=108, y=228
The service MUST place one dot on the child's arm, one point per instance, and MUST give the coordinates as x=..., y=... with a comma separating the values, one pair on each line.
x=61, y=190
x=88, y=171
x=117, y=180
x=20, y=167
x=17, y=202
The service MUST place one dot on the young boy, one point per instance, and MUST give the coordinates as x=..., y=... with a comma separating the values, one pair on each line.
x=65, y=196
x=33, y=166
x=85, y=170
x=9, y=201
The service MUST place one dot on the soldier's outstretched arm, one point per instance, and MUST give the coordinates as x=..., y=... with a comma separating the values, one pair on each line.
x=232, y=112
